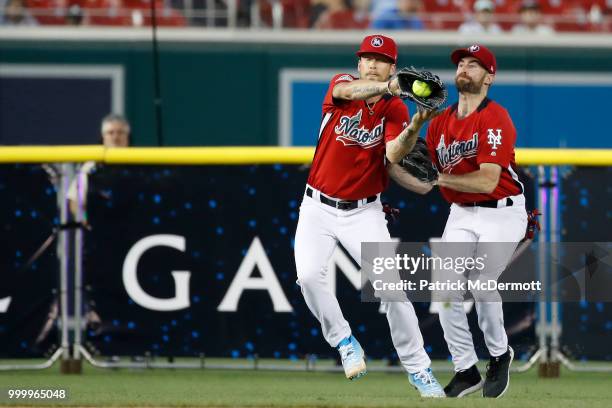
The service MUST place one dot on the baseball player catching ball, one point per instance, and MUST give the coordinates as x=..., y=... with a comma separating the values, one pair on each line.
x=472, y=145
x=364, y=125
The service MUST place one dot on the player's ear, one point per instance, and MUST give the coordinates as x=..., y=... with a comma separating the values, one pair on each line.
x=489, y=79
x=393, y=69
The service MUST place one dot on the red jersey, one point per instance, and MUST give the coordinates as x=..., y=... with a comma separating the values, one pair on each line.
x=459, y=146
x=349, y=161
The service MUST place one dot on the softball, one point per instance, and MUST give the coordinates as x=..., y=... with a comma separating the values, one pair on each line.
x=420, y=88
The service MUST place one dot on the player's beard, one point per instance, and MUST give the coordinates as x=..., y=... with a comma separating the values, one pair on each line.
x=469, y=86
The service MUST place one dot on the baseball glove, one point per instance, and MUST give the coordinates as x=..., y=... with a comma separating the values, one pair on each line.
x=418, y=163
x=407, y=76
x=391, y=214
x=533, y=224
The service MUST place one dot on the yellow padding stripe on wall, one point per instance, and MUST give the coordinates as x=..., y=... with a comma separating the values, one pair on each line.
x=251, y=155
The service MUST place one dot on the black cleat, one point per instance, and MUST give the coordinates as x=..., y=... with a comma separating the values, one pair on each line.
x=464, y=382
x=498, y=375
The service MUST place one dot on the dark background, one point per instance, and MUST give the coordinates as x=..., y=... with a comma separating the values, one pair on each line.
x=51, y=111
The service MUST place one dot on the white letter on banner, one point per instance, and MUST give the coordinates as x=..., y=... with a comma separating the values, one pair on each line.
x=256, y=256
x=181, y=278
x=4, y=304
x=339, y=260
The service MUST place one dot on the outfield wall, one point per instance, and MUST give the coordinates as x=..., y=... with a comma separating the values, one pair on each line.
x=214, y=222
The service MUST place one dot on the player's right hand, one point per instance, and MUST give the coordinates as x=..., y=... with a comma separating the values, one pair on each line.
x=423, y=115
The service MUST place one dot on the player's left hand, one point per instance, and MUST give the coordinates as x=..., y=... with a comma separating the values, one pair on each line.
x=405, y=78
x=418, y=163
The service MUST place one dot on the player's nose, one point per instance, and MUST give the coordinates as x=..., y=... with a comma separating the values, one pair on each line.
x=461, y=70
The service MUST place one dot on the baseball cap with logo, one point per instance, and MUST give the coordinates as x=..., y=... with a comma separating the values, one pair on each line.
x=379, y=44
x=480, y=52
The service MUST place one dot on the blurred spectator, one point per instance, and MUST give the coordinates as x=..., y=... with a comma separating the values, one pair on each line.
x=165, y=16
x=378, y=7
x=317, y=7
x=48, y=12
x=278, y=13
x=404, y=16
x=115, y=132
x=340, y=15
x=110, y=13
x=15, y=13
x=74, y=15
x=606, y=24
x=531, y=20
x=482, y=21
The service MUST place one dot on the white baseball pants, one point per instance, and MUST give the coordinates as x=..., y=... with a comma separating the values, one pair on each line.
x=479, y=225
x=320, y=228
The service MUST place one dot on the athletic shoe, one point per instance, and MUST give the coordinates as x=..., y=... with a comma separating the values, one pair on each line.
x=498, y=375
x=426, y=384
x=464, y=383
x=352, y=355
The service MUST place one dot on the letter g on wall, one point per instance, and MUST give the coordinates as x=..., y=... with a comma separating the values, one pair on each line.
x=181, y=278
x=4, y=304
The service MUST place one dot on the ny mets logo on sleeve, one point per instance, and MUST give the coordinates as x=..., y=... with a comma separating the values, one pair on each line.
x=494, y=139
x=350, y=133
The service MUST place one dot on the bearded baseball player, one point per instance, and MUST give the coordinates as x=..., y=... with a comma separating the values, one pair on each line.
x=472, y=145
x=364, y=125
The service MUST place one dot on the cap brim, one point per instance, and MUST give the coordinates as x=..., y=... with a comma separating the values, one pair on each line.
x=460, y=53
x=360, y=53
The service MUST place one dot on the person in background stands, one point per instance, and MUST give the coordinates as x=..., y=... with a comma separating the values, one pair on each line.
x=404, y=16
x=531, y=20
x=483, y=20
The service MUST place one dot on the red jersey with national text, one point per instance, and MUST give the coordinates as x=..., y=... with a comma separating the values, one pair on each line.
x=459, y=146
x=349, y=162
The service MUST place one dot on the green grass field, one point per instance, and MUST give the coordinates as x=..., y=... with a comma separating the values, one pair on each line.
x=229, y=388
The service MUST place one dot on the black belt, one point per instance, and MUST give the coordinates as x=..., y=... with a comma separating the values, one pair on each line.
x=488, y=204
x=341, y=204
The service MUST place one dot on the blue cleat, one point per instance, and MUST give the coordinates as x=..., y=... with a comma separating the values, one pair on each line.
x=426, y=384
x=352, y=355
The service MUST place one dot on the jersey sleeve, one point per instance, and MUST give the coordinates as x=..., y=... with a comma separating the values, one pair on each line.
x=330, y=102
x=430, y=138
x=496, y=138
x=397, y=118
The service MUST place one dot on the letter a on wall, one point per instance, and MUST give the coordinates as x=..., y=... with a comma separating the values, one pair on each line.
x=255, y=257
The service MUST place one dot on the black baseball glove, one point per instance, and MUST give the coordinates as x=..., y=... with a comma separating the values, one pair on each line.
x=407, y=76
x=418, y=163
